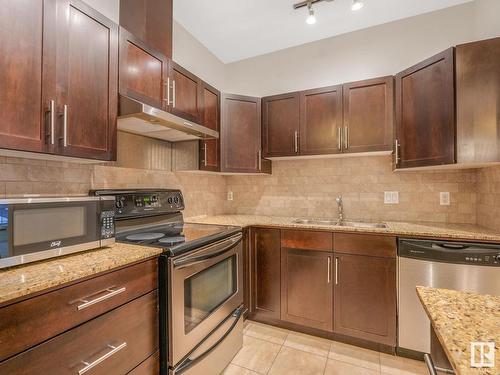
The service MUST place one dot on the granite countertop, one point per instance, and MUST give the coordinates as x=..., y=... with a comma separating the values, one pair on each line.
x=434, y=230
x=20, y=281
x=459, y=318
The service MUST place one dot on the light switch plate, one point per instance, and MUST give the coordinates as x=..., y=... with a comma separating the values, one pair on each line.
x=230, y=196
x=444, y=198
x=391, y=197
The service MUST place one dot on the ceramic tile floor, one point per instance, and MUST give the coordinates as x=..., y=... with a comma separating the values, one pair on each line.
x=275, y=351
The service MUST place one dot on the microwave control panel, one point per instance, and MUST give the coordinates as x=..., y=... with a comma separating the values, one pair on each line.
x=107, y=224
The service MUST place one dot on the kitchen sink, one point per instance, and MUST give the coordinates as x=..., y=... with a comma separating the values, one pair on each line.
x=355, y=224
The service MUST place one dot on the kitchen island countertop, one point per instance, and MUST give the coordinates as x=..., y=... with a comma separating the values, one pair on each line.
x=459, y=318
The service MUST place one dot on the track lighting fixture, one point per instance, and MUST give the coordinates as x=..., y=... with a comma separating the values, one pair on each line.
x=357, y=5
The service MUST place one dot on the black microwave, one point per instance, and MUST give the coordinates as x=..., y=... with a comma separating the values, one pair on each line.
x=33, y=229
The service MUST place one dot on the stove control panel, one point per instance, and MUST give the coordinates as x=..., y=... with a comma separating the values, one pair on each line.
x=144, y=203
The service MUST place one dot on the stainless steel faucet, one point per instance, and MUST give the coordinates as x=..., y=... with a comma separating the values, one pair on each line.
x=340, y=205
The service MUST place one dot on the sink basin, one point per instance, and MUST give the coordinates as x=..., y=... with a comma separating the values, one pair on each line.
x=359, y=224
x=355, y=224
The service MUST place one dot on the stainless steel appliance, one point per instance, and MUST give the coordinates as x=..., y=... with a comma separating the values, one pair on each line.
x=33, y=229
x=472, y=267
x=139, y=118
x=200, y=279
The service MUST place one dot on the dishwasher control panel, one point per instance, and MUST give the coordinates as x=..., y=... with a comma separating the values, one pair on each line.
x=450, y=252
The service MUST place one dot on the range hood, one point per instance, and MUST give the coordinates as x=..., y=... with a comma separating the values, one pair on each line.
x=139, y=118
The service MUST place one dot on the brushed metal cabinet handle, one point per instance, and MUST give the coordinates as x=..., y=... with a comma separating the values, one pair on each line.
x=346, y=137
x=339, y=138
x=329, y=277
x=90, y=365
x=104, y=297
x=167, y=85
x=173, y=93
x=65, y=125
x=205, y=152
x=259, y=155
x=296, y=141
x=52, y=121
x=396, y=150
x=336, y=271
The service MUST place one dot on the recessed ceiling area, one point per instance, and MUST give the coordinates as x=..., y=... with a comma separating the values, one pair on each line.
x=238, y=29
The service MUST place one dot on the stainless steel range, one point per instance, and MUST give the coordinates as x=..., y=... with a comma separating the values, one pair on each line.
x=200, y=279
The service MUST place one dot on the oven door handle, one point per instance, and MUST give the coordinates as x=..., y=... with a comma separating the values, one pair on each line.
x=190, y=362
x=218, y=250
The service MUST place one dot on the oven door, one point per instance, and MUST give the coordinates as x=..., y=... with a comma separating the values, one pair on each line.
x=206, y=287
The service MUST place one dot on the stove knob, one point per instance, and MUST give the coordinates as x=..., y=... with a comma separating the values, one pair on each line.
x=119, y=203
x=170, y=200
x=496, y=258
x=176, y=200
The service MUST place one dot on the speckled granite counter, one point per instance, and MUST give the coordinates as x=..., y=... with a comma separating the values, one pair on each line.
x=444, y=231
x=460, y=318
x=20, y=281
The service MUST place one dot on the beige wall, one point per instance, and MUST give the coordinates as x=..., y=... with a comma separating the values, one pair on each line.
x=376, y=51
x=308, y=188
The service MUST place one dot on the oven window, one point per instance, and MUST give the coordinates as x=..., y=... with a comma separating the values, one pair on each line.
x=48, y=224
x=207, y=290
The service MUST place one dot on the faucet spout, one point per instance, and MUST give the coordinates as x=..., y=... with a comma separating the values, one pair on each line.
x=340, y=205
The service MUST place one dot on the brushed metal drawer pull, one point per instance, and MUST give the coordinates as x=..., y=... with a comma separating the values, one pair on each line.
x=336, y=271
x=329, y=269
x=112, y=293
x=91, y=365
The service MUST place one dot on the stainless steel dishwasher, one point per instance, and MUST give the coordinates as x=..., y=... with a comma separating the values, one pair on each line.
x=471, y=267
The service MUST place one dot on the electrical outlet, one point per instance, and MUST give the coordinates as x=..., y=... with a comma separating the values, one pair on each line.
x=444, y=198
x=230, y=195
x=391, y=197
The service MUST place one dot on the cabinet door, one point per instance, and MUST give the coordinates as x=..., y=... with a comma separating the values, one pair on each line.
x=240, y=134
x=210, y=117
x=368, y=115
x=365, y=298
x=478, y=101
x=425, y=113
x=307, y=288
x=265, y=273
x=280, y=125
x=22, y=45
x=185, y=98
x=149, y=20
x=87, y=80
x=143, y=72
x=321, y=121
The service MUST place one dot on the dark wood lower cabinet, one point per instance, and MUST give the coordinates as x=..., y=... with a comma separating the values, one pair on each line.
x=265, y=273
x=124, y=336
x=150, y=366
x=307, y=288
x=365, y=298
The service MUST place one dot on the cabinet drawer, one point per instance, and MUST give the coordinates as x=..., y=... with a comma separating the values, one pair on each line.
x=37, y=319
x=150, y=366
x=113, y=343
x=306, y=240
x=365, y=244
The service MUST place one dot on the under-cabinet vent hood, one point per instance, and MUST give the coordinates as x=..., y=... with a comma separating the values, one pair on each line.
x=139, y=118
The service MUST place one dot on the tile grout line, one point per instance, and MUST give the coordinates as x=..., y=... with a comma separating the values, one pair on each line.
x=274, y=359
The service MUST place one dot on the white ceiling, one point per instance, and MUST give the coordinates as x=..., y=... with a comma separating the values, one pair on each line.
x=238, y=29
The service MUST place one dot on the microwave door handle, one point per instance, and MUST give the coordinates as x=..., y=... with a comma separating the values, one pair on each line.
x=190, y=362
x=194, y=259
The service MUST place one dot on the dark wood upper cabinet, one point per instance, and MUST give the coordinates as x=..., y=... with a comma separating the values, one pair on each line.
x=307, y=288
x=143, y=72
x=265, y=273
x=365, y=298
x=87, y=81
x=209, y=100
x=368, y=115
x=321, y=121
x=280, y=125
x=425, y=113
x=24, y=106
x=240, y=134
x=478, y=101
x=151, y=21
x=184, y=100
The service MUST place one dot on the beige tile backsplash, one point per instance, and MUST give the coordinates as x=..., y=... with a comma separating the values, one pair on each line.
x=307, y=188
x=300, y=188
